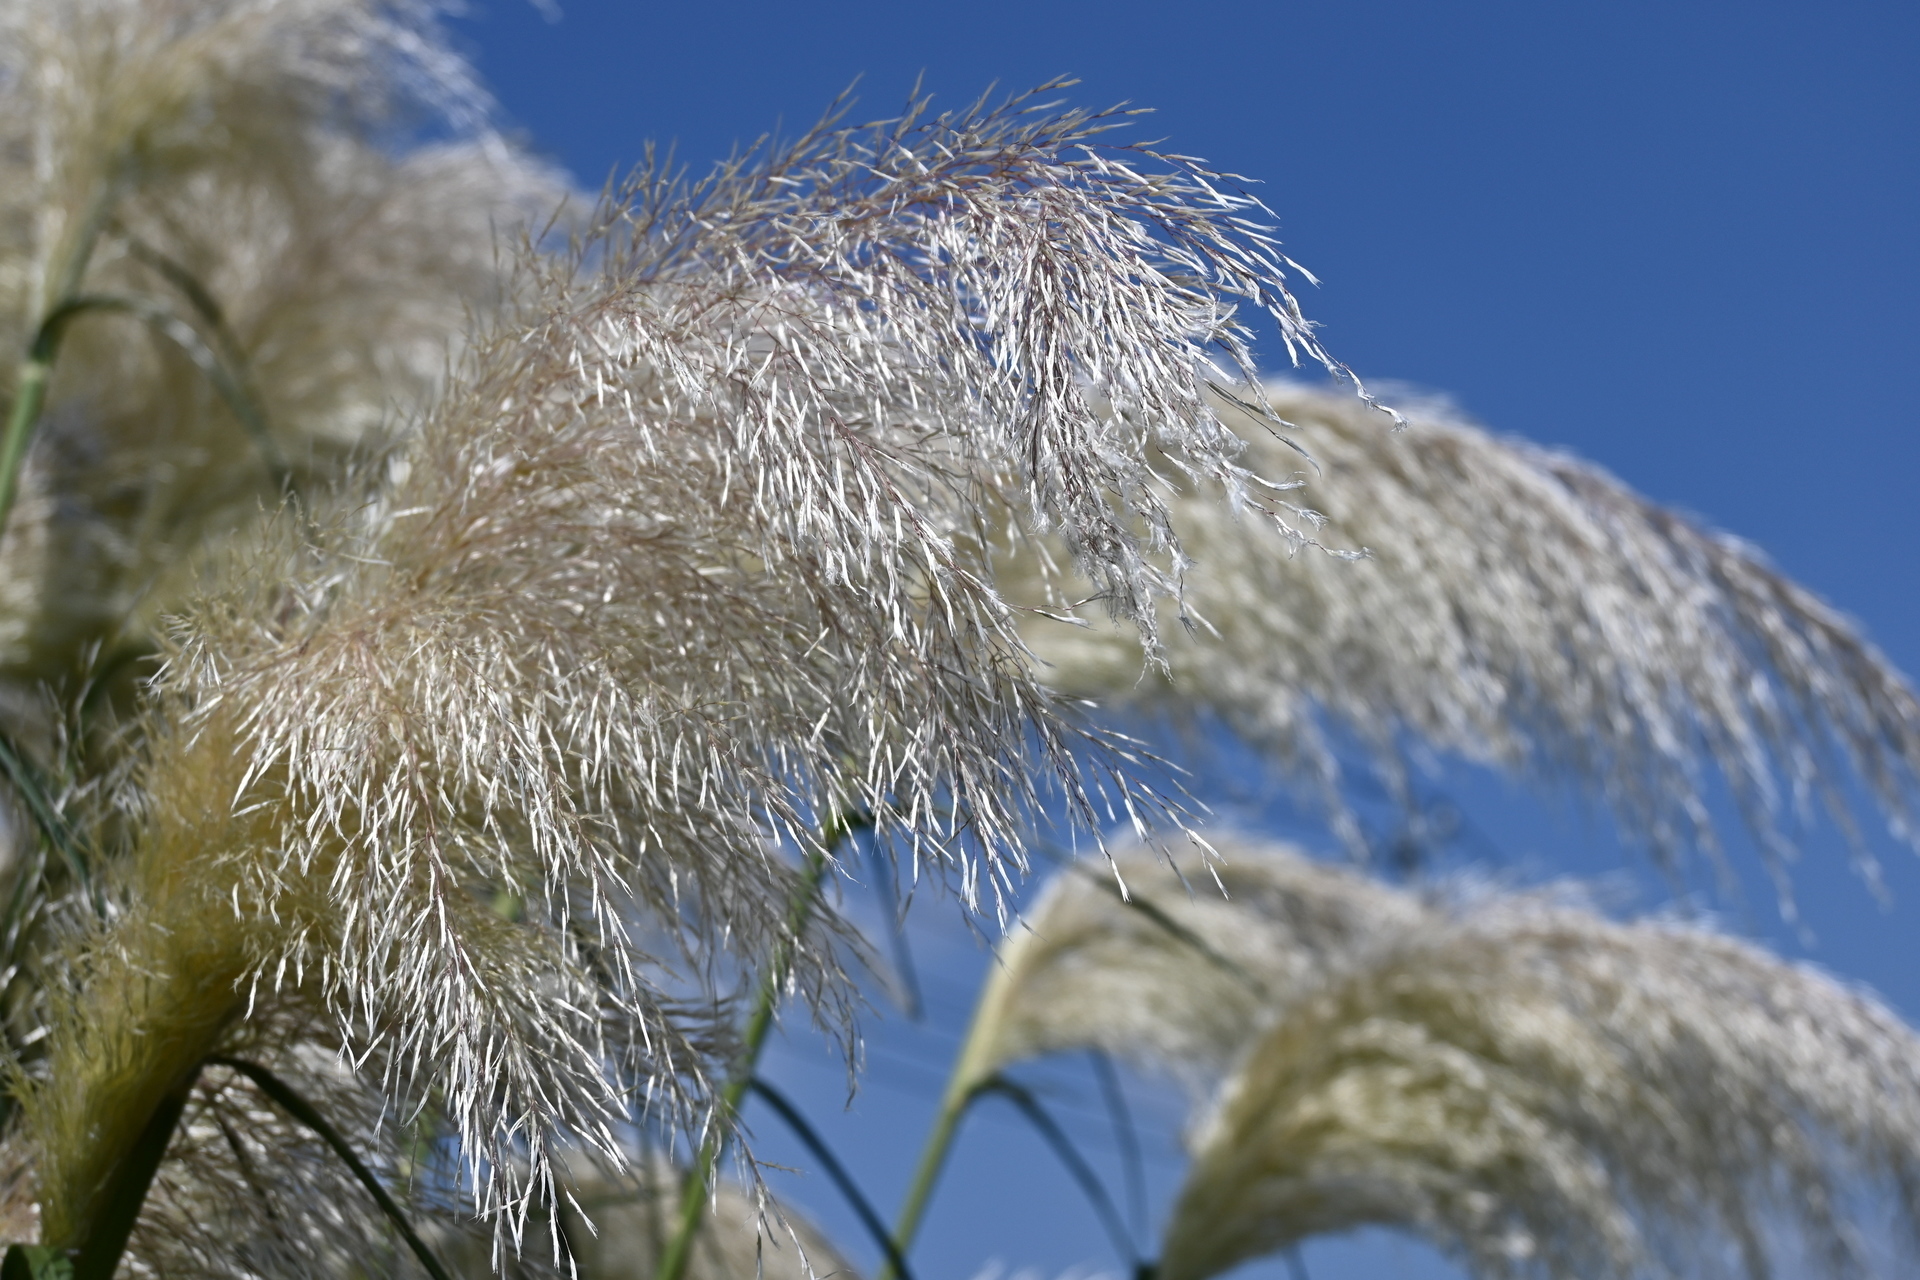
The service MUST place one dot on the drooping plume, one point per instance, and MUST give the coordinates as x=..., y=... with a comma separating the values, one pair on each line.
x=1167, y=967
x=491, y=762
x=1538, y=1090
x=1519, y=608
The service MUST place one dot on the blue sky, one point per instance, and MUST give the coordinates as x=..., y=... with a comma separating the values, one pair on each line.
x=1677, y=238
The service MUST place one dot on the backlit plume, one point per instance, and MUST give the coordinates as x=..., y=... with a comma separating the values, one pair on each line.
x=1537, y=1089
x=1518, y=608
x=486, y=762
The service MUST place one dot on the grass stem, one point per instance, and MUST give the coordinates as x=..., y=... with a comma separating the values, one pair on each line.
x=695, y=1189
x=30, y=384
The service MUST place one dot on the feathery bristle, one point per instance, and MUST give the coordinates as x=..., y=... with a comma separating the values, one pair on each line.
x=500, y=750
x=1535, y=1088
x=1521, y=609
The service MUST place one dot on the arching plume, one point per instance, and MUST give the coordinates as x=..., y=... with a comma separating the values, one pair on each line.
x=490, y=759
x=1538, y=1090
x=1169, y=969
x=1518, y=608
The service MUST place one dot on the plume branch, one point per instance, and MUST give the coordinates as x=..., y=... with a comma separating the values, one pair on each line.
x=1518, y=608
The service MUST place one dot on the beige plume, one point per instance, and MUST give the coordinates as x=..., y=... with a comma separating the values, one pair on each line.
x=1518, y=608
x=485, y=766
x=1173, y=969
x=1535, y=1088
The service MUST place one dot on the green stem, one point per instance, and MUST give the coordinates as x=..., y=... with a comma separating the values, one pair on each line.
x=38, y=798
x=973, y=1072
x=242, y=396
x=29, y=397
x=1076, y=1164
x=30, y=387
x=976, y=1071
x=933, y=1159
x=849, y=1189
x=107, y=1235
x=753, y=1038
x=221, y=367
x=309, y=1115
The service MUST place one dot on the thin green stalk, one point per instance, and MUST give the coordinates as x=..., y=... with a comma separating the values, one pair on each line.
x=307, y=1114
x=106, y=1240
x=933, y=1159
x=975, y=1074
x=29, y=397
x=227, y=377
x=244, y=398
x=849, y=1189
x=753, y=1038
x=38, y=798
x=972, y=1072
x=1076, y=1164
x=30, y=385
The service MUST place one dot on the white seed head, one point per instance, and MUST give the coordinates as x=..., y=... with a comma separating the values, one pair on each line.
x=1541, y=1091
x=1518, y=608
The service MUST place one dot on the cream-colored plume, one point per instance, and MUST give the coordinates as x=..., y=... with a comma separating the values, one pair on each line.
x=487, y=763
x=1177, y=971
x=244, y=165
x=1535, y=1088
x=1516, y=607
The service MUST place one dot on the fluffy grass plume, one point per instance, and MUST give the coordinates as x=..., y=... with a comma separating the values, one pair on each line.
x=1537, y=1089
x=1519, y=608
x=486, y=766
x=245, y=169
x=1172, y=975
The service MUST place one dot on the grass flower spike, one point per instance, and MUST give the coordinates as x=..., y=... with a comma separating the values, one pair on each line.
x=1518, y=608
x=1537, y=1089
x=487, y=766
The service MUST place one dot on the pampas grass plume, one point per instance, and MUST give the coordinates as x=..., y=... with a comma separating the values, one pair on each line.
x=1537, y=1089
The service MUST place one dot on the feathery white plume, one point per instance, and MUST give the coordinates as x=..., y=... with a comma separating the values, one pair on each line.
x=1522, y=609
x=494, y=765
x=1537, y=1089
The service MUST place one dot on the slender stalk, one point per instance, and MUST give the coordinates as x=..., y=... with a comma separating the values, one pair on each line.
x=106, y=1237
x=309, y=1115
x=30, y=385
x=753, y=1038
x=221, y=366
x=1125, y=1136
x=975, y=1073
x=862, y=1207
x=243, y=397
x=933, y=1159
x=1076, y=1164
x=38, y=798
x=972, y=1072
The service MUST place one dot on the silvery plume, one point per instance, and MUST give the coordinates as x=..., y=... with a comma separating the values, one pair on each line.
x=1537, y=1089
x=1514, y=607
x=234, y=186
x=485, y=766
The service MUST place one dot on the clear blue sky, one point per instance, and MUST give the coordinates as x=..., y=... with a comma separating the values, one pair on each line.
x=1678, y=238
